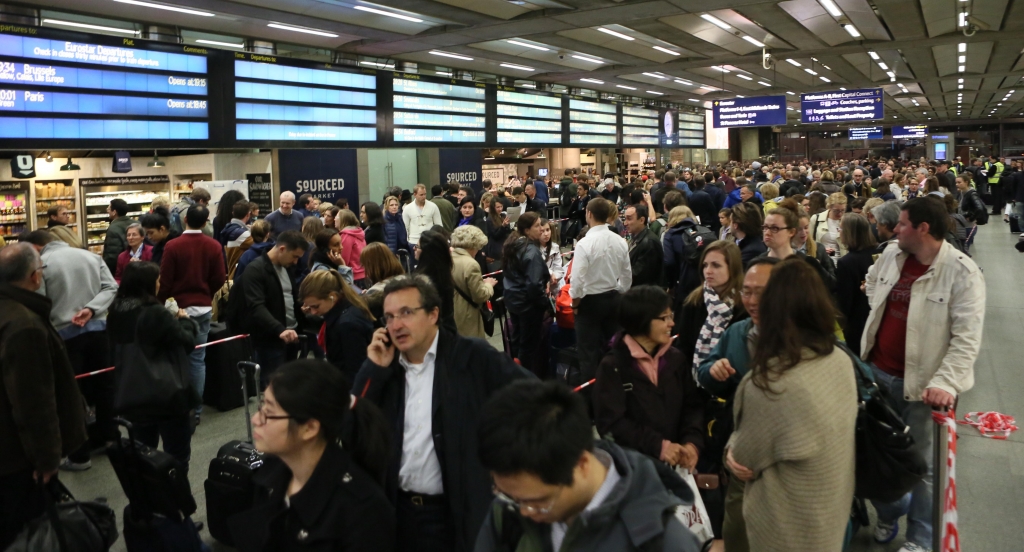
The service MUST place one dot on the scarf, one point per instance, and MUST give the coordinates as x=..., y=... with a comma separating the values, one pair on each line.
x=719, y=317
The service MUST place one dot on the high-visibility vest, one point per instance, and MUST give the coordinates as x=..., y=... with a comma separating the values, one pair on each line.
x=994, y=178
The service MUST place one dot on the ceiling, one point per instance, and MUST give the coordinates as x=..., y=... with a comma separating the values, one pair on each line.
x=668, y=50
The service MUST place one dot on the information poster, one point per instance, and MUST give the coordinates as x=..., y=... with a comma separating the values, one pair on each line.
x=261, y=191
x=749, y=112
x=842, y=106
x=461, y=165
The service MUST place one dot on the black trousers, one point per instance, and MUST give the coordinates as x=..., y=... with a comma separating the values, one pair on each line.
x=596, y=322
x=998, y=199
x=89, y=352
x=176, y=434
x=21, y=501
x=424, y=525
x=529, y=342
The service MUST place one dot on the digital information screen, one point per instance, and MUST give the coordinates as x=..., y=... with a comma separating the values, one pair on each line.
x=911, y=132
x=592, y=122
x=749, y=112
x=429, y=111
x=52, y=89
x=526, y=117
x=842, y=106
x=640, y=126
x=290, y=103
x=865, y=133
x=691, y=130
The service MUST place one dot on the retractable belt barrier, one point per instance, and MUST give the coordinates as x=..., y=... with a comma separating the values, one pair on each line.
x=200, y=346
x=946, y=535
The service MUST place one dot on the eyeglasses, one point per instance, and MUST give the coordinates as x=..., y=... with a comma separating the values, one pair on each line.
x=262, y=417
x=512, y=503
x=406, y=312
x=774, y=229
x=41, y=267
x=667, y=317
x=748, y=293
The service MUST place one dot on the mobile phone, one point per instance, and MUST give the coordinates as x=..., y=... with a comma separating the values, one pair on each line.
x=504, y=214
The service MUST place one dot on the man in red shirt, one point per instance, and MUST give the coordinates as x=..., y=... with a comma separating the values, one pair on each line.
x=192, y=271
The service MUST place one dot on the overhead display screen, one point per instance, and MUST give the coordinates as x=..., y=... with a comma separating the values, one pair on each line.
x=640, y=126
x=528, y=117
x=438, y=111
x=275, y=102
x=80, y=90
x=865, y=133
x=592, y=122
x=913, y=132
x=691, y=129
x=842, y=106
x=749, y=112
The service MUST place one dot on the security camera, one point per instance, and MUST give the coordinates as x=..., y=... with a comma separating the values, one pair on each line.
x=561, y=56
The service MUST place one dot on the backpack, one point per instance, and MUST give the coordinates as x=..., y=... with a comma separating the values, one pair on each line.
x=695, y=239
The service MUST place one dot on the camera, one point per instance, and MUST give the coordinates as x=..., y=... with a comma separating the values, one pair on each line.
x=561, y=56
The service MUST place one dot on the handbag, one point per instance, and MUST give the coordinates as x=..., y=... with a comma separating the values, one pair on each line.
x=695, y=517
x=887, y=466
x=158, y=383
x=486, y=313
x=67, y=525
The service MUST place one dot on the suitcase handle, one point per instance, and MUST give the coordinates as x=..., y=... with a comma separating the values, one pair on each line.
x=242, y=366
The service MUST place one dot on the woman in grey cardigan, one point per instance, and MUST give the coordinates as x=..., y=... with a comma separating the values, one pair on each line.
x=795, y=414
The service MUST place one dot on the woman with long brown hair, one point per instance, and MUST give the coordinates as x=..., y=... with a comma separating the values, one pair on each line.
x=711, y=308
x=795, y=412
x=851, y=272
x=381, y=266
x=526, y=283
x=348, y=323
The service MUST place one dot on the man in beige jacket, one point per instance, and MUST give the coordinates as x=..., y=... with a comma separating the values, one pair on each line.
x=922, y=338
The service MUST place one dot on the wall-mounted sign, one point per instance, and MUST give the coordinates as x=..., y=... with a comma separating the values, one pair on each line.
x=749, y=112
x=916, y=131
x=865, y=133
x=842, y=106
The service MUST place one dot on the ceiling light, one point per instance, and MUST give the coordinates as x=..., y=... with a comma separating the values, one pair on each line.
x=1011, y=91
x=961, y=59
x=852, y=30
x=389, y=14
x=825, y=79
x=890, y=73
x=298, y=29
x=715, y=21
x=693, y=100
x=961, y=69
x=165, y=7
x=791, y=93
x=793, y=62
x=624, y=86
x=960, y=87
x=873, y=55
x=963, y=19
x=708, y=88
x=585, y=58
x=667, y=51
x=841, y=88
x=88, y=26
x=155, y=163
x=520, y=67
x=962, y=47
x=615, y=33
x=528, y=85
x=960, y=81
x=448, y=54
x=790, y=109
x=70, y=166
x=883, y=66
x=753, y=41
x=655, y=93
x=681, y=81
x=738, y=96
x=216, y=43
x=595, y=81
x=49, y=157
x=744, y=77
x=999, y=104
x=762, y=83
x=383, y=65
x=722, y=69
x=655, y=75
x=811, y=72
x=527, y=45
x=443, y=73
x=831, y=7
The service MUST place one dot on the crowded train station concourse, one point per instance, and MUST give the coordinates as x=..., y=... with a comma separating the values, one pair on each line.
x=511, y=275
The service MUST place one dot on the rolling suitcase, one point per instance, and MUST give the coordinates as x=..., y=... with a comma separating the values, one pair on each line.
x=156, y=533
x=152, y=479
x=222, y=379
x=1014, y=224
x=229, y=486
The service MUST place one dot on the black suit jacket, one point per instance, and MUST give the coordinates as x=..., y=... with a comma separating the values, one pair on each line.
x=646, y=258
x=466, y=372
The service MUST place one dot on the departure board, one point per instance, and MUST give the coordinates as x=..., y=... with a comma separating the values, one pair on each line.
x=640, y=125
x=294, y=103
x=528, y=117
x=592, y=122
x=691, y=129
x=98, y=88
x=436, y=110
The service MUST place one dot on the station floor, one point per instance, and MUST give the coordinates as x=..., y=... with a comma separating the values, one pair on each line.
x=990, y=473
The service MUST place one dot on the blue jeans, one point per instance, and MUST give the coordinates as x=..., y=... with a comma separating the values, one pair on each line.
x=197, y=358
x=917, y=504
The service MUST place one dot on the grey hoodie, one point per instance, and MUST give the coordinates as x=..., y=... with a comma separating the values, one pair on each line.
x=75, y=279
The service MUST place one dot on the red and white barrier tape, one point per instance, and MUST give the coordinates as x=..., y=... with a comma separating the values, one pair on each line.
x=200, y=346
x=950, y=533
x=989, y=424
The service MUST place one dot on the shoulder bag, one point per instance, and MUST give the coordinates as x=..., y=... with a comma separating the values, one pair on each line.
x=486, y=313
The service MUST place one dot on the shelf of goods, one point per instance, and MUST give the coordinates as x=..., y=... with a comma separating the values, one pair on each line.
x=97, y=220
x=49, y=194
x=13, y=220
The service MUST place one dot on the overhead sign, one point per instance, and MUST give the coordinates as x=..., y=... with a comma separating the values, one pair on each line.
x=749, y=112
x=866, y=133
x=842, y=106
x=328, y=174
x=916, y=131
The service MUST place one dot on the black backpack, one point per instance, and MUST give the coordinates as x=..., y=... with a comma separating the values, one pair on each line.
x=695, y=239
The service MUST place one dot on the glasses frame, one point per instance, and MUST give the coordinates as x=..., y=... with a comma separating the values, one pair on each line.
x=388, y=318
x=262, y=416
x=774, y=229
x=513, y=503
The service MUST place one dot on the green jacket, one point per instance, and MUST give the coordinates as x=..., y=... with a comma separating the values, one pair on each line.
x=734, y=346
x=116, y=241
x=447, y=212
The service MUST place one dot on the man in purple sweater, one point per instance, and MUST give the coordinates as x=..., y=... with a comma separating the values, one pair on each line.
x=192, y=271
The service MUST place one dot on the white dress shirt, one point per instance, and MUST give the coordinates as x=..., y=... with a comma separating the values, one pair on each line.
x=558, y=529
x=420, y=471
x=600, y=264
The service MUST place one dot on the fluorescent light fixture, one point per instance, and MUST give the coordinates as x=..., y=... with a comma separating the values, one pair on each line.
x=1011, y=91
x=377, y=64
x=585, y=58
x=297, y=29
x=873, y=55
x=715, y=21
x=88, y=26
x=831, y=8
x=528, y=85
x=852, y=30
x=655, y=93
x=626, y=87
x=793, y=62
x=595, y=81
x=693, y=100
x=961, y=59
x=738, y=96
x=960, y=87
x=814, y=59
x=655, y=75
x=443, y=73
x=962, y=47
x=753, y=41
x=763, y=83
x=520, y=67
x=165, y=7
x=790, y=109
x=681, y=81
x=708, y=88
x=890, y=73
x=826, y=66
x=615, y=34
x=744, y=77
x=217, y=43
x=527, y=45
x=811, y=71
x=961, y=69
x=883, y=66
x=722, y=69
x=963, y=19
x=389, y=14
x=667, y=51
x=959, y=81
x=826, y=79
x=791, y=93
x=451, y=55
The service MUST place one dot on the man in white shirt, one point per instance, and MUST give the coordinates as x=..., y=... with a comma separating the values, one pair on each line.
x=600, y=272
x=420, y=215
x=433, y=390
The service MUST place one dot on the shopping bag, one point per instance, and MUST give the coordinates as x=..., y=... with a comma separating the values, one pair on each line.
x=695, y=516
x=67, y=525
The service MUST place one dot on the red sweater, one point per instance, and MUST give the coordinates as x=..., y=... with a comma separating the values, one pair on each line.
x=192, y=270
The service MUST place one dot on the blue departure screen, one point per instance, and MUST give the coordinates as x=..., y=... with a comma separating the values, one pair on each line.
x=438, y=110
x=528, y=117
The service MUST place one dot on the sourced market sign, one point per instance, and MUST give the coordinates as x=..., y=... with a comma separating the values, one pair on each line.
x=749, y=112
x=461, y=165
x=327, y=174
x=841, y=106
x=865, y=133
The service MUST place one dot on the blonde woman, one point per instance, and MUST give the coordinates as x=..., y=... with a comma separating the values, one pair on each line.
x=348, y=323
x=825, y=226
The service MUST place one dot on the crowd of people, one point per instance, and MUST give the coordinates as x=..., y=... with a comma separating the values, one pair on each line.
x=701, y=312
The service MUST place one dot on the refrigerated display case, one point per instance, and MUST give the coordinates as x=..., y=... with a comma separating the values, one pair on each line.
x=96, y=199
x=13, y=209
x=55, y=192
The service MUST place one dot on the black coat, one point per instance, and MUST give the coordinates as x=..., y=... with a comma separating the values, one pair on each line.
x=466, y=372
x=375, y=233
x=340, y=508
x=851, y=270
x=645, y=258
x=256, y=304
x=496, y=236
x=703, y=206
x=690, y=319
x=750, y=247
x=525, y=282
x=347, y=335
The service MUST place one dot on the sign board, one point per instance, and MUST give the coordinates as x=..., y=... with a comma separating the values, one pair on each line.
x=261, y=191
x=14, y=186
x=842, y=106
x=327, y=174
x=866, y=133
x=495, y=175
x=749, y=112
x=913, y=132
x=462, y=166
x=125, y=180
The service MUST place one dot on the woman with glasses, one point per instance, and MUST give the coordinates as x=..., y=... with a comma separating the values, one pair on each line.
x=645, y=397
x=347, y=322
x=321, y=483
x=526, y=283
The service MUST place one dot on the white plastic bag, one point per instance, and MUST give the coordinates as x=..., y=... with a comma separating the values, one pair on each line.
x=696, y=516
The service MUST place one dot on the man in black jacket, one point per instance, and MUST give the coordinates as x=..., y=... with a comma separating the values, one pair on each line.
x=645, y=251
x=431, y=384
x=264, y=303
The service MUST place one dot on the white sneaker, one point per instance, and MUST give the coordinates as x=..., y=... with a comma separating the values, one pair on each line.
x=67, y=465
x=912, y=547
x=886, y=532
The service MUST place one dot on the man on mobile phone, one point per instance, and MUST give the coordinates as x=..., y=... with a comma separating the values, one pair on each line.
x=432, y=383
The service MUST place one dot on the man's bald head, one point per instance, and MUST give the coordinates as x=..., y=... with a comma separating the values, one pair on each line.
x=19, y=266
